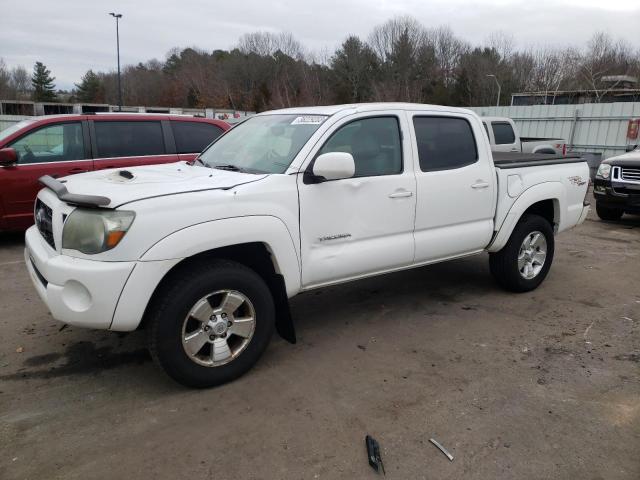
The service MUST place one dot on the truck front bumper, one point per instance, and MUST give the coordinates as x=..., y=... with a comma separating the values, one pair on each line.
x=624, y=196
x=76, y=291
x=90, y=293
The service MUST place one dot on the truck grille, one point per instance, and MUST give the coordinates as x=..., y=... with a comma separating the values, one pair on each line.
x=44, y=222
x=632, y=174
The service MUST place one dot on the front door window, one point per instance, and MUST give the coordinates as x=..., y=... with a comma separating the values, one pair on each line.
x=54, y=143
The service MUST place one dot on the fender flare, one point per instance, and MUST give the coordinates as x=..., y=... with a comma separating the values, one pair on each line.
x=202, y=237
x=157, y=262
x=537, y=193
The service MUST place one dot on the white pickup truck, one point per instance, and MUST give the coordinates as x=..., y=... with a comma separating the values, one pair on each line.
x=504, y=137
x=205, y=255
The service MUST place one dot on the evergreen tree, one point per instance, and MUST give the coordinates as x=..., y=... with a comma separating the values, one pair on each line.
x=90, y=88
x=42, y=81
x=354, y=67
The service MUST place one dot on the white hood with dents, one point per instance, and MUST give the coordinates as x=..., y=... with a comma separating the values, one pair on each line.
x=125, y=185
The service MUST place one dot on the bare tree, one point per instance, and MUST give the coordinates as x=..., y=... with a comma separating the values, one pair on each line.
x=604, y=57
x=384, y=38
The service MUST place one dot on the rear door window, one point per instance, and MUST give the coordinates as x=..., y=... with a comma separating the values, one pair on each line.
x=53, y=143
x=193, y=137
x=503, y=133
x=444, y=143
x=128, y=139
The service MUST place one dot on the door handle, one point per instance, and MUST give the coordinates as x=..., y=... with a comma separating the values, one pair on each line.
x=480, y=184
x=401, y=194
x=78, y=170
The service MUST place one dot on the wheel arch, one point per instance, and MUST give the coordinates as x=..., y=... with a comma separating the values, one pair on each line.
x=544, y=149
x=262, y=243
x=545, y=199
x=254, y=255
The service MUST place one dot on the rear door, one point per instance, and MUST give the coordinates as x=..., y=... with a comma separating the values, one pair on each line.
x=505, y=139
x=456, y=186
x=128, y=143
x=192, y=137
x=56, y=149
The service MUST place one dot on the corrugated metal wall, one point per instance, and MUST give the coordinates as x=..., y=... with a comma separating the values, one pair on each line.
x=8, y=120
x=589, y=127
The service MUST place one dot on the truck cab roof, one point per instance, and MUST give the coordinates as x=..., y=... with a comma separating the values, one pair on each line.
x=365, y=107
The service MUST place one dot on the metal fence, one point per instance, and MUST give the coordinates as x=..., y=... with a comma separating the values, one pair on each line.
x=12, y=112
x=588, y=127
x=8, y=120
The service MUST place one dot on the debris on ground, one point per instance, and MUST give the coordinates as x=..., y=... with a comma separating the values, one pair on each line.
x=442, y=449
x=373, y=452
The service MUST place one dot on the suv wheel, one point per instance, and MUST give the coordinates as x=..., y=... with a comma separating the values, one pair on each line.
x=608, y=213
x=211, y=323
x=523, y=263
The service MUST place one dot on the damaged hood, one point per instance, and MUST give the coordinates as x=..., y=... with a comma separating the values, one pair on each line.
x=125, y=185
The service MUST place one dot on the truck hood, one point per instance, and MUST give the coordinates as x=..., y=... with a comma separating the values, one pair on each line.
x=629, y=159
x=126, y=185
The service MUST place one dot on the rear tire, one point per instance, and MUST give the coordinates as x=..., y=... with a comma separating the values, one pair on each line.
x=609, y=213
x=211, y=323
x=524, y=262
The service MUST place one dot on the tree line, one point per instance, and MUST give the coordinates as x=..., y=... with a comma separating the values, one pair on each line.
x=400, y=60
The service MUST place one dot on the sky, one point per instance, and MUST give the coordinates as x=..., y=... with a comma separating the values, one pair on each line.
x=72, y=36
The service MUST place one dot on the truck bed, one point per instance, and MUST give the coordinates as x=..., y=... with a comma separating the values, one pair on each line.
x=518, y=160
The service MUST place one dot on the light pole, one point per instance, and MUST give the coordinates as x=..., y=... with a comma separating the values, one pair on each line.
x=118, y=16
x=499, y=88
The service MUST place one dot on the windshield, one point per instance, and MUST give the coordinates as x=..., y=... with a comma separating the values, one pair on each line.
x=13, y=129
x=262, y=144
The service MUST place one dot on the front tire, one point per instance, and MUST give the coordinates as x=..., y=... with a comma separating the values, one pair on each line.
x=524, y=262
x=211, y=323
x=609, y=213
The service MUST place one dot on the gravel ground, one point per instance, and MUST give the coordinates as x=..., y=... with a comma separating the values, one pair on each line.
x=537, y=385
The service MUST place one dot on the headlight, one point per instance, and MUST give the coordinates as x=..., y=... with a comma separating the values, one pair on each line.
x=95, y=231
x=604, y=170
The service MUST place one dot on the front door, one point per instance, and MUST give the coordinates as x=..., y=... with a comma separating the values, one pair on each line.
x=57, y=150
x=362, y=225
x=456, y=186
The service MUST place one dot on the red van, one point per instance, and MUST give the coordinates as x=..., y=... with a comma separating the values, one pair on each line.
x=66, y=144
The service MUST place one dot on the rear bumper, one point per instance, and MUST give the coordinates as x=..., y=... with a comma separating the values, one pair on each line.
x=583, y=215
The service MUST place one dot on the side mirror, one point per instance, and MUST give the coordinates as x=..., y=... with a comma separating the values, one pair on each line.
x=630, y=148
x=8, y=156
x=334, y=166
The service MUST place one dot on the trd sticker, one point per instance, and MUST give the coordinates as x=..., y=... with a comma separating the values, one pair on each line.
x=577, y=180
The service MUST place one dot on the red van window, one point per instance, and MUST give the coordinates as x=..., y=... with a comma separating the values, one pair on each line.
x=193, y=137
x=128, y=139
x=53, y=143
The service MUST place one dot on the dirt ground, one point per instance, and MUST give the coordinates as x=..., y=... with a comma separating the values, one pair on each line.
x=538, y=385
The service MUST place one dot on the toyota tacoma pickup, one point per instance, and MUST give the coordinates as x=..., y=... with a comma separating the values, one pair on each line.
x=205, y=254
x=504, y=137
x=617, y=186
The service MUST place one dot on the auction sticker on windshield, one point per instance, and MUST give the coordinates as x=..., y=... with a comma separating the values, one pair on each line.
x=308, y=120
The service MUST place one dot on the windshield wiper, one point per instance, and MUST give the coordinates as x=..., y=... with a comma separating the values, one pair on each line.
x=229, y=166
